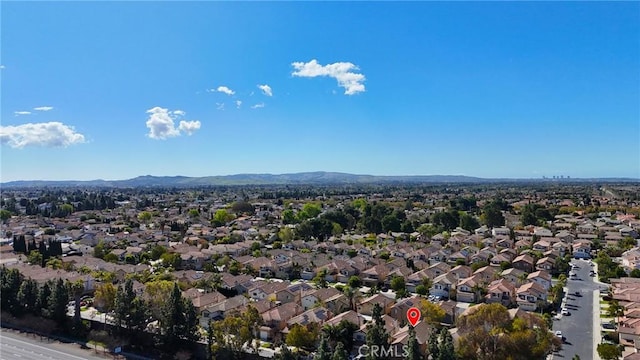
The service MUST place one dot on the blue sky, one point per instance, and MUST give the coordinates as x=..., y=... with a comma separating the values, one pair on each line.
x=114, y=90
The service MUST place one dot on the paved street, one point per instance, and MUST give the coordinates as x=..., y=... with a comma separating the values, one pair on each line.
x=15, y=346
x=578, y=327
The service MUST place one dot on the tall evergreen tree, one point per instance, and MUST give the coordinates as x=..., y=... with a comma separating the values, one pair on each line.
x=123, y=305
x=324, y=351
x=377, y=336
x=433, y=345
x=447, y=351
x=28, y=295
x=76, y=289
x=413, y=348
x=19, y=244
x=139, y=314
x=340, y=353
x=44, y=295
x=10, y=282
x=58, y=303
x=179, y=318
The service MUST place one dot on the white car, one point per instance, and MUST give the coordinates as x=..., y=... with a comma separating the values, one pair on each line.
x=559, y=334
x=565, y=312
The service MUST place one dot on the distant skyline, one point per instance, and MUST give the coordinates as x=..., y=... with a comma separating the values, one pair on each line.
x=114, y=90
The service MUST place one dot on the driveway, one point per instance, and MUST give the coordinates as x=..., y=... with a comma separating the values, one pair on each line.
x=578, y=327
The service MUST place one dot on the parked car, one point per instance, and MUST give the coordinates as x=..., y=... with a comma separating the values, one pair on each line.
x=565, y=312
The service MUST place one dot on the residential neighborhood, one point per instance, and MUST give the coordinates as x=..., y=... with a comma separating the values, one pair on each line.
x=312, y=258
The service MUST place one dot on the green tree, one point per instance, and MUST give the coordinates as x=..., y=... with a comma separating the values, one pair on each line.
x=221, y=217
x=99, y=250
x=104, y=297
x=76, y=289
x=242, y=207
x=58, y=301
x=413, y=348
x=421, y=290
x=171, y=259
x=446, y=350
x=432, y=313
x=10, y=283
x=492, y=215
x=615, y=309
x=376, y=333
x=399, y=286
x=157, y=251
x=139, y=314
x=28, y=295
x=468, y=222
x=144, y=216
x=303, y=337
x=340, y=352
x=288, y=217
x=179, y=319
x=433, y=346
x=609, y=351
x=35, y=258
x=44, y=295
x=194, y=213
x=528, y=215
x=227, y=342
x=320, y=279
x=324, y=351
x=309, y=211
x=122, y=305
x=285, y=353
x=5, y=215
x=354, y=282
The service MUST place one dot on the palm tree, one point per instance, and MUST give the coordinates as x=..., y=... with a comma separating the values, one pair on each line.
x=352, y=295
x=76, y=289
x=478, y=291
x=615, y=310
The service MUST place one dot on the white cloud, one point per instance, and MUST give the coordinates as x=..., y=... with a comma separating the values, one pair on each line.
x=162, y=126
x=189, y=127
x=226, y=90
x=2, y=67
x=238, y=104
x=17, y=113
x=258, y=106
x=43, y=108
x=49, y=134
x=266, y=89
x=219, y=106
x=351, y=81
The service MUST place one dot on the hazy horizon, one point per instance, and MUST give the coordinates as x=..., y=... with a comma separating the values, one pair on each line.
x=520, y=90
x=331, y=172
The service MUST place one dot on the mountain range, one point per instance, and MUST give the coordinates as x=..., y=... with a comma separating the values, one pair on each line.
x=310, y=178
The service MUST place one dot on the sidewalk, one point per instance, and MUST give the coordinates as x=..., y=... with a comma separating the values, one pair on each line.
x=597, y=313
x=98, y=349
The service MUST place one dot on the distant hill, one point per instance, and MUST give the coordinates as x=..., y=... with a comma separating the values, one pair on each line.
x=311, y=178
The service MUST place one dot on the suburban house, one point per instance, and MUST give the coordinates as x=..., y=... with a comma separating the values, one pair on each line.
x=541, y=277
x=530, y=295
x=443, y=284
x=501, y=291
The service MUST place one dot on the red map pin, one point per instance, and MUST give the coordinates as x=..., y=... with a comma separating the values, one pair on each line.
x=413, y=314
